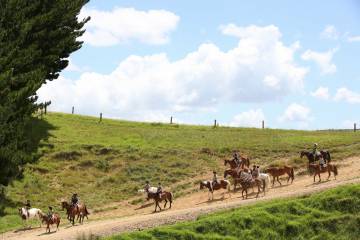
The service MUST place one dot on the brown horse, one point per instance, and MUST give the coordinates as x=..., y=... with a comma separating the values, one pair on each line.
x=235, y=174
x=164, y=196
x=246, y=181
x=54, y=220
x=79, y=210
x=221, y=184
x=328, y=168
x=275, y=172
x=245, y=162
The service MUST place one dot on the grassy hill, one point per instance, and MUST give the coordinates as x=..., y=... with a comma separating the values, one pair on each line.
x=332, y=214
x=107, y=162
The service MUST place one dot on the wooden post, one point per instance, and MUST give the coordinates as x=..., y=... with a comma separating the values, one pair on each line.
x=171, y=120
x=72, y=110
x=354, y=127
x=263, y=124
x=45, y=109
x=100, y=118
x=215, y=123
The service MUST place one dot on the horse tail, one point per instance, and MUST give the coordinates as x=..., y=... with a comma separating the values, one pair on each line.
x=292, y=173
x=335, y=170
x=86, y=211
x=328, y=154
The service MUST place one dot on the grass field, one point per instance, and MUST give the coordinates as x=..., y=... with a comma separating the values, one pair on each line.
x=107, y=162
x=332, y=214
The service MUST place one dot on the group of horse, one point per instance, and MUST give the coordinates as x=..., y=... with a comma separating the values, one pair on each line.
x=80, y=211
x=241, y=174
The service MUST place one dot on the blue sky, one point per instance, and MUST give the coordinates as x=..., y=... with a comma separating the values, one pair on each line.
x=292, y=63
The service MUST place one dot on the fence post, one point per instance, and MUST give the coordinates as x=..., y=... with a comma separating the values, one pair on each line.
x=263, y=124
x=100, y=118
x=354, y=127
x=72, y=110
x=215, y=123
x=171, y=120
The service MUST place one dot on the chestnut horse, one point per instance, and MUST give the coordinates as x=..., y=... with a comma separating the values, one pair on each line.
x=275, y=172
x=221, y=184
x=245, y=162
x=54, y=220
x=80, y=211
x=310, y=156
x=328, y=168
x=246, y=181
x=164, y=196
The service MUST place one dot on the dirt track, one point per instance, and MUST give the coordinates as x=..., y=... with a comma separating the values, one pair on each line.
x=126, y=218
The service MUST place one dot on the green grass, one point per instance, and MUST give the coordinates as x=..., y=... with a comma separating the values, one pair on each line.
x=107, y=162
x=332, y=214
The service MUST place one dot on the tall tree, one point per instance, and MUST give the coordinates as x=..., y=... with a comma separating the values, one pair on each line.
x=36, y=39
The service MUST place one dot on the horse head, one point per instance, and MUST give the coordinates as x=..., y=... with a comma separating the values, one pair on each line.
x=225, y=173
x=226, y=162
x=302, y=153
x=202, y=185
x=64, y=205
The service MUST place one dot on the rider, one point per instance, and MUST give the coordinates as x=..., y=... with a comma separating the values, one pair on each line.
x=75, y=200
x=50, y=213
x=316, y=153
x=147, y=186
x=236, y=159
x=159, y=190
x=214, y=180
x=255, y=172
x=27, y=206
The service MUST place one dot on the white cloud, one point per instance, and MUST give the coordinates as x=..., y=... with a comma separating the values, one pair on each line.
x=344, y=94
x=72, y=67
x=353, y=38
x=321, y=93
x=251, y=118
x=296, y=113
x=323, y=59
x=260, y=68
x=330, y=32
x=107, y=28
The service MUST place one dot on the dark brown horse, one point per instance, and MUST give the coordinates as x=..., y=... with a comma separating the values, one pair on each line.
x=245, y=162
x=275, y=172
x=164, y=196
x=221, y=184
x=328, y=168
x=79, y=210
x=54, y=220
x=246, y=182
x=310, y=156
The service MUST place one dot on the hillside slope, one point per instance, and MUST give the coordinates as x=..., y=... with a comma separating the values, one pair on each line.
x=107, y=162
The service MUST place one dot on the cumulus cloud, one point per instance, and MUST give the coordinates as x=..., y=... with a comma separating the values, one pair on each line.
x=260, y=68
x=353, y=38
x=322, y=59
x=344, y=94
x=330, y=32
x=321, y=93
x=251, y=118
x=107, y=28
x=296, y=113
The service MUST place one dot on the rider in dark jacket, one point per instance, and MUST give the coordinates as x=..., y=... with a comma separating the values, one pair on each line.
x=50, y=213
x=159, y=190
x=74, y=199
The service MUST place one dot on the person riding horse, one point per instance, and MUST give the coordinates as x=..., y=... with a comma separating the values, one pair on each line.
x=147, y=186
x=75, y=200
x=317, y=154
x=255, y=172
x=236, y=159
x=159, y=190
x=50, y=213
x=214, y=180
x=27, y=206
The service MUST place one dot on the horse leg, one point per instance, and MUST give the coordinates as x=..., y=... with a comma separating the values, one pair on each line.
x=165, y=203
x=314, y=176
x=258, y=185
x=273, y=181
x=319, y=177
x=329, y=174
x=277, y=179
x=242, y=193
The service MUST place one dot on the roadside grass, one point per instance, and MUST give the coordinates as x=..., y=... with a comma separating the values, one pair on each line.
x=333, y=214
x=108, y=162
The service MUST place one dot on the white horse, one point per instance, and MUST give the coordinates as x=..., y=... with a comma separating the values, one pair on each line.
x=30, y=214
x=266, y=177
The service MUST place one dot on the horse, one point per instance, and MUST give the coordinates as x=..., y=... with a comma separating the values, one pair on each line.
x=328, y=168
x=30, y=214
x=275, y=172
x=246, y=181
x=235, y=174
x=245, y=162
x=80, y=211
x=310, y=156
x=164, y=196
x=54, y=220
x=221, y=184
